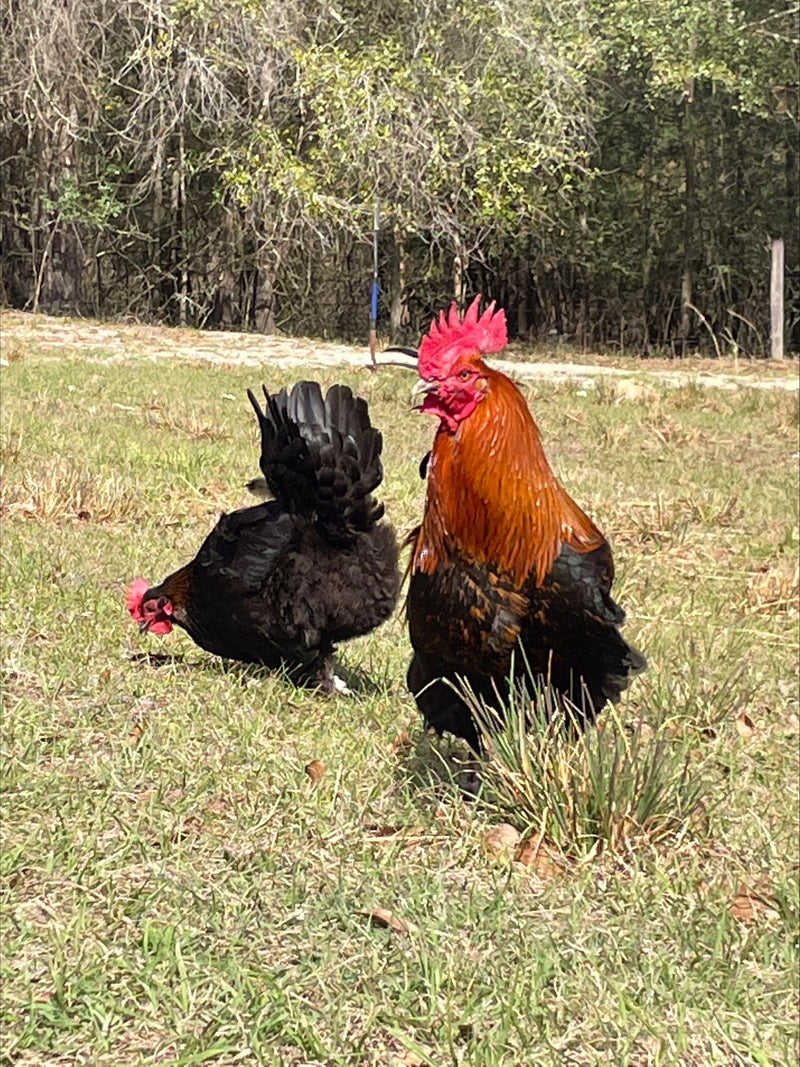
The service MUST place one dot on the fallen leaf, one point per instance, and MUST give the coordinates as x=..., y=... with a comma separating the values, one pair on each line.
x=315, y=770
x=535, y=854
x=751, y=904
x=408, y=1059
x=390, y=920
x=402, y=744
x=502, y=840
x=104, y=675
x=745, y=727
x=137, y=731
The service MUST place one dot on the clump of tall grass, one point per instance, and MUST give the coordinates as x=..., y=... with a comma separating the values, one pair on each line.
x=605, y=789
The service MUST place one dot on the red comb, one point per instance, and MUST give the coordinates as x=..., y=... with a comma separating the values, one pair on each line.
x=452, y=336
x=133, y=598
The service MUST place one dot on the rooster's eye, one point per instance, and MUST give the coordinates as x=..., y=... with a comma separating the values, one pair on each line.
x=465, y=374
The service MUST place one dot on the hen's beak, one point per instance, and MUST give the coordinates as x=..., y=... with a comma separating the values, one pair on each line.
x=144, y=626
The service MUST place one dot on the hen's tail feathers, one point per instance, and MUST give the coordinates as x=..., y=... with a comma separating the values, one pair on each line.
x=321, y=457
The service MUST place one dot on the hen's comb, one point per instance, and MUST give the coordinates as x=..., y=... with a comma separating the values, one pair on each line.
x=451, y=336
x=133, y=597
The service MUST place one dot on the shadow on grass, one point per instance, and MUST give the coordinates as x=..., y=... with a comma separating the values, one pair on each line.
x=441, y=768
x=358, y=682
x=158, y=659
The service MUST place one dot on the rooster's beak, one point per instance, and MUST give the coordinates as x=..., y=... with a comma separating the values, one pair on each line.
x=423, y=387
x=144, y=626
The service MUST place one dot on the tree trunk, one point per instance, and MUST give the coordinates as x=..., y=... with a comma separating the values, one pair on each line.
x=459, y=269
x=689, y=221
x=791, y=193
x=225, y=250
x=157, y=243
x=398, y=311
x=523, y=288
x=180, y=221
x=58, y=269
x=262, y=315
x=647, y=260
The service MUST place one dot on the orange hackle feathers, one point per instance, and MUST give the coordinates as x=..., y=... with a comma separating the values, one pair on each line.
x=492, y=495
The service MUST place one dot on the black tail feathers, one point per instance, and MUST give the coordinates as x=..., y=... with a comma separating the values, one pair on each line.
x=322, y=457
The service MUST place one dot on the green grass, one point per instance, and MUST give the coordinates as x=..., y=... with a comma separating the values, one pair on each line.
x=176, y=889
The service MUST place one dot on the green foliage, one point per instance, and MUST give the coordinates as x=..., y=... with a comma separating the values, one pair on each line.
x=222, y=160
x=444, y=122
x=95, y=204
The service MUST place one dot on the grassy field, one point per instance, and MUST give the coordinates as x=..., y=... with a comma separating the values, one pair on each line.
x=177, y=889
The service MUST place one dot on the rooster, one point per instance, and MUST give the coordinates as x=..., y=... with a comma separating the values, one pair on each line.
x=507, y=573
x=281, y=582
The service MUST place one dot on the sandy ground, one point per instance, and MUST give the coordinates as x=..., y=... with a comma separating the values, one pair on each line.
x=24, y=336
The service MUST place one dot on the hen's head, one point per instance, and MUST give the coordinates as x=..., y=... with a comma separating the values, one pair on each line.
x=152, y=611
x=450, y=360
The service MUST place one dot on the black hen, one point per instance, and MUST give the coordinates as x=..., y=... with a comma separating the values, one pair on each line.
x=281, y=582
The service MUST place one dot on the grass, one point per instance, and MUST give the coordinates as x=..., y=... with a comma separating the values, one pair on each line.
x=176, y=889
x=613, y=790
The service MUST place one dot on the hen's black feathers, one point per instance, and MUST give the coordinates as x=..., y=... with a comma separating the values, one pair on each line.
x=321, y=458
x=281, y=582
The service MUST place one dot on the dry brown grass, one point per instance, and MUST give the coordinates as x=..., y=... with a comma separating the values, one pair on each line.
x=65, y=494
x=775, y=587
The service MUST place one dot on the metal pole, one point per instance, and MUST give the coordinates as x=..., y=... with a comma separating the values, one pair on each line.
x=776, y=300
x=375, y=288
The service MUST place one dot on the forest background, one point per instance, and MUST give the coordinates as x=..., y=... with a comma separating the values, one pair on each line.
x=611, y=171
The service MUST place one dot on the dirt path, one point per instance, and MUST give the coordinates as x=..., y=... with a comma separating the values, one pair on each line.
x=23, y=335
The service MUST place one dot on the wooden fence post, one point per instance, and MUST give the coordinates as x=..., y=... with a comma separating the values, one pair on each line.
x=776, y=300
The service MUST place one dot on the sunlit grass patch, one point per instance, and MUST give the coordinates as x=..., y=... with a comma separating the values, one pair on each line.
x=62, y=492
x=176, y=888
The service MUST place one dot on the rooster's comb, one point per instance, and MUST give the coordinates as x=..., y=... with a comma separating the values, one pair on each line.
x=451, y=336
